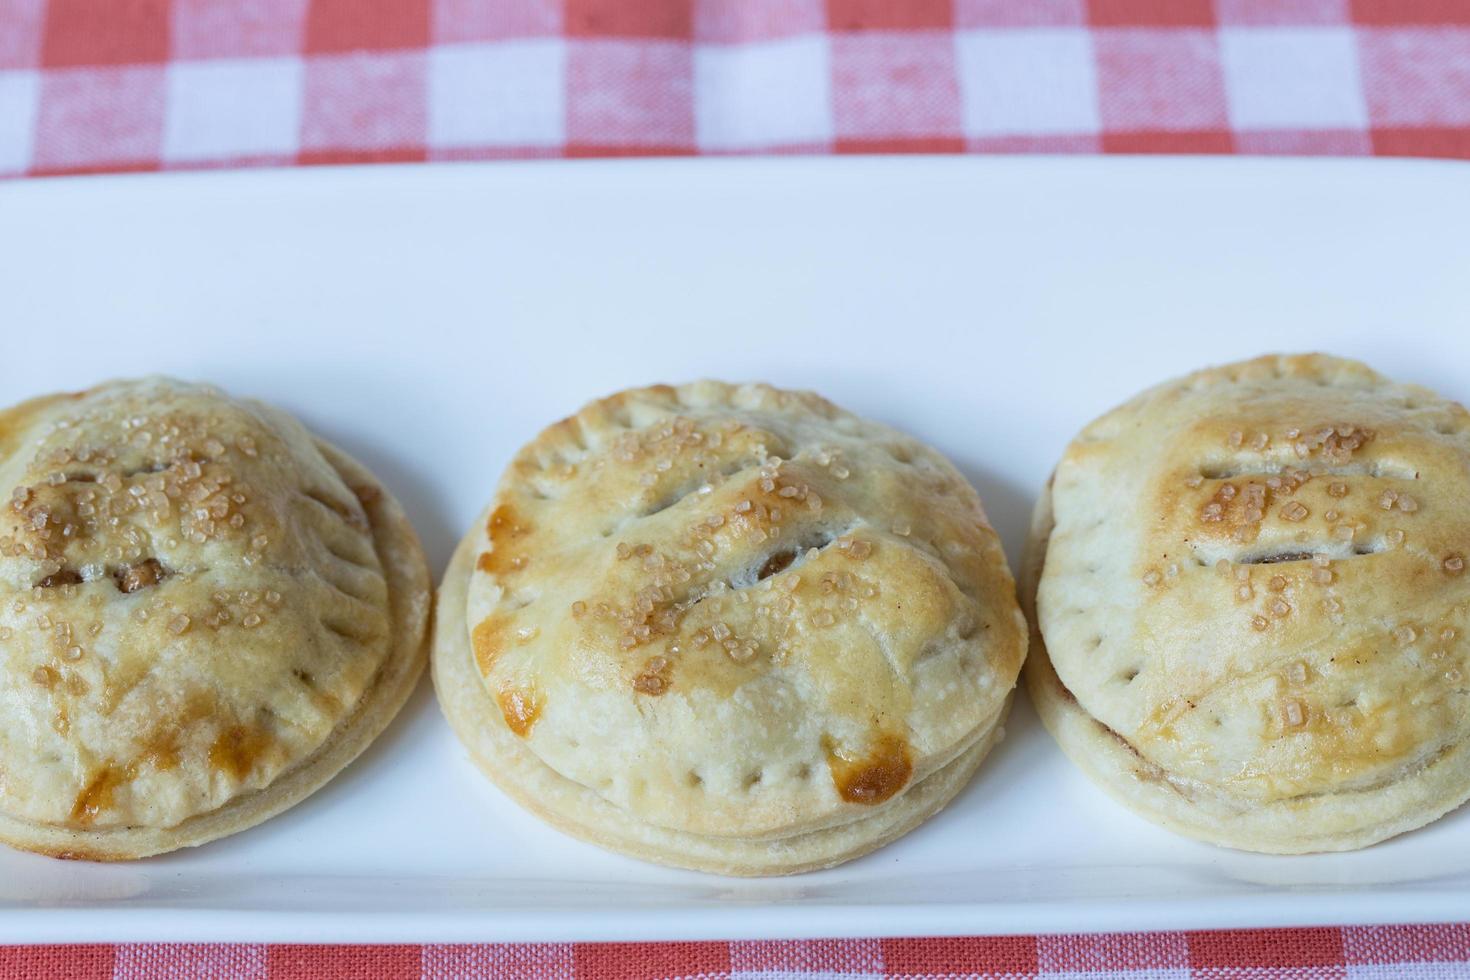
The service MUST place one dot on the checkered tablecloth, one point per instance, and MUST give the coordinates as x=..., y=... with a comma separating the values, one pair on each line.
x=105, y=85
x=119, y=85
x=1372, y=953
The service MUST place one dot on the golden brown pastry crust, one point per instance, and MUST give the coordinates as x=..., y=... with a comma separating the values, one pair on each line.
x=206, y=613
x=577, y=810
x=1251, y=604
x=731, y=613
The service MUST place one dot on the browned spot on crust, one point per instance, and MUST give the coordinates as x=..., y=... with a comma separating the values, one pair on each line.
x=97, y=795
x=162, y=751
x=653, y=679
x=874, y=777
x=67, y=576
x=140, y=576
x=489, y=640
x=237, y=750
x=505, y=527
x=521, y=708
x=505, y=524
x=161, y=748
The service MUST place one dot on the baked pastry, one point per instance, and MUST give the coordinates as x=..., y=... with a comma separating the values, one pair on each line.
x=205, y=613
x=1250, y=593
x=729, y=628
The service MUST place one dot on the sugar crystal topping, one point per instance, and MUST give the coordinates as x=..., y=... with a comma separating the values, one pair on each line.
x=129, y=496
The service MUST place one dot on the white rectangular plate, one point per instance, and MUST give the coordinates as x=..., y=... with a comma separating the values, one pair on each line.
x=432, y=319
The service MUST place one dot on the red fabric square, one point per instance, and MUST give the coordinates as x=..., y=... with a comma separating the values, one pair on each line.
x=880, y=15
x=756, y=20
x=630, y=18
x=341, y=156
x=1411, y=11
x=366, y=103
x=895, y=144
x=1151, y=13
x=1159, y=80
x=1009, y=13
x=20, y=37
x=238, y=28
x=1282, y=12
x=895, y=85
x=1170, y=141
x=1305, y=142
x=318, y=962
x=617, y=961
x=356, y=25
x=1415, y=76
x=978, y=954
x=57, y=962
x=476, y=20
x=100, y=119
x=630, y=93
x=1420, y=141
x=114, y=32
x=1245, y=949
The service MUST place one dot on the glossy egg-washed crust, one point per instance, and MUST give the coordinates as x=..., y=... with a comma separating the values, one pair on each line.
x=205, y=613
x=729, y=627
x=1251, y=597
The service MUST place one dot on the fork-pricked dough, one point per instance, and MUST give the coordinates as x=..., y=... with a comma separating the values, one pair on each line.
x=729, y=627
x=205, y=613
x=1250, y=594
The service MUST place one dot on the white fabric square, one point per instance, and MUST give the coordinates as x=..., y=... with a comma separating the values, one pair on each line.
x=544, y=961
x=20, y=93
x=1292, y=78
x=1027, y=82
x=499, y=93
x=1131, y=973
x=220, y=110
x=763, y=94
x=159, y=961
x=1406, y=971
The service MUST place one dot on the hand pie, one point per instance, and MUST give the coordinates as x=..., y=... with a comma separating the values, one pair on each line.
x=729, y=628
x=205, y=613
x=1250, y=592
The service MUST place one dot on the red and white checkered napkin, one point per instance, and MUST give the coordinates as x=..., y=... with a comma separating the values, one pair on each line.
x=1380, y=953
x=97, y=85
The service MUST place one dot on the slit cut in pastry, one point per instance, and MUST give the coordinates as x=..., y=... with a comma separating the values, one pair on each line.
x=205, y=613
x=728, y=628
x=1249, y=605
